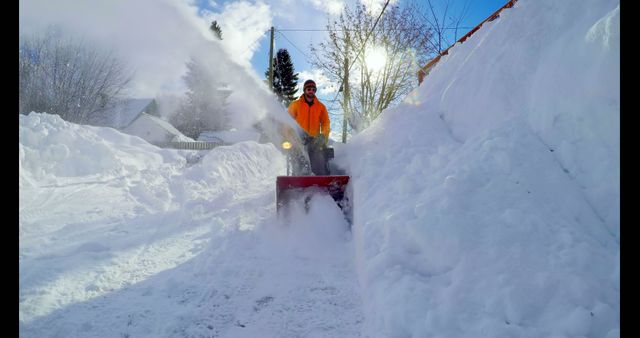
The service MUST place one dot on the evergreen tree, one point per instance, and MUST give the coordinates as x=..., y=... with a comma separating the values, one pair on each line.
x=215, y=28
x=204, y=108
x=284, y=78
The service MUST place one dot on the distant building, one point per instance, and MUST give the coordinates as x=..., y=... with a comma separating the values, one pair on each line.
x=139, y=117
x=120, y=114
x=154, y=130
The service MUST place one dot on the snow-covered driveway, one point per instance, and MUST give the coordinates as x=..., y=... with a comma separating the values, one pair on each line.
x=148, y=245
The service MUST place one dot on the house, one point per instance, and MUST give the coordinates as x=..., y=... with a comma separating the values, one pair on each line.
x=123, y=112
x=139, y=117
x=155, y=130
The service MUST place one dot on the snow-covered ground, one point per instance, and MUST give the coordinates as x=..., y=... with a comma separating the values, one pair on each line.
x=119, y=237
x=487, y=204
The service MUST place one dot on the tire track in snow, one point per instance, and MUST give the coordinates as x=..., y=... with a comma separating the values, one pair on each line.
x=280, y=280
x=256, y=277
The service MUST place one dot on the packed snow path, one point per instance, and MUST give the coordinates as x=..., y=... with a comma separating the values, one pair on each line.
x=163, y=248
x=276, y=281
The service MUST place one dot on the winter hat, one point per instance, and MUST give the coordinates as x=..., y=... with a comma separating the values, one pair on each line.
x=309, y=83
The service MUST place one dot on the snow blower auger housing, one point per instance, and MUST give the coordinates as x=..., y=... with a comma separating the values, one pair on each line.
x=303, y=180
x=288, y=187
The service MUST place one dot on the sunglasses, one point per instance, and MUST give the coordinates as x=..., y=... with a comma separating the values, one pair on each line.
x=313, y=89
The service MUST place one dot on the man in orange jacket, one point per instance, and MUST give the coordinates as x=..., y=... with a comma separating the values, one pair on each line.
x=313, y=118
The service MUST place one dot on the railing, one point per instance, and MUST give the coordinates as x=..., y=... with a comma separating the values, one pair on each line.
x=427, y=68
x=190, y=145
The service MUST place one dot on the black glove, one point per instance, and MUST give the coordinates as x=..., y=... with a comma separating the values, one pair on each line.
x=306, y=139
x=318, y=141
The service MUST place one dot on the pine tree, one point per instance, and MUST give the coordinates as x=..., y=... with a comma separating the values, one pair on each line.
x=285, y=80
x=204, y=107
x=215, y=28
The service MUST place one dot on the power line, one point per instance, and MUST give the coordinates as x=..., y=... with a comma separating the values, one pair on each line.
x=296, y=47
x=307, y=58
x=331, y=108
x=355, y=30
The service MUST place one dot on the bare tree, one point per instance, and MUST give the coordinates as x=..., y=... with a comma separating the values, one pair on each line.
x=68, y=78
x=401, y=35
x=442, y=22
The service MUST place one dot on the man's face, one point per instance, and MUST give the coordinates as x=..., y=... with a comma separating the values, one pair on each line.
x=310, y=92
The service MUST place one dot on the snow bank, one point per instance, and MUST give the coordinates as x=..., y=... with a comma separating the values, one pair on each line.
x=557, y=64
x=51, y=147
x=175, y=249
x=488, y=203
x=113, y=211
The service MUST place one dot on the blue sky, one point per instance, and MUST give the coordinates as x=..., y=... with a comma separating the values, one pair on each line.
x=246, y=32
x=290, y=19
x=294, y=41
x=156, y=37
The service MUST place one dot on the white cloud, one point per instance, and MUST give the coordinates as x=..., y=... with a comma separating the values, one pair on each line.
x=325, y=86
x=375, y=6
x=157, y=37
x=154, y=37
x=332, y=7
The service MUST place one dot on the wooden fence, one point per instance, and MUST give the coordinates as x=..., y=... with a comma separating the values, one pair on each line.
x=191, y=145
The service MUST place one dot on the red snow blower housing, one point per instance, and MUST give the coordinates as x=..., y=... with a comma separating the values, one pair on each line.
x=311, y=174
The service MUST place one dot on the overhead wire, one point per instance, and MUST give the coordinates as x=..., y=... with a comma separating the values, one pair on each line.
x=335, y=99
x=321, y=30
x=307, y=58
x=354, y=30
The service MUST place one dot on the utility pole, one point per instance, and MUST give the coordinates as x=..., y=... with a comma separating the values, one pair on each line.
x=271, y=59
x=345, y=92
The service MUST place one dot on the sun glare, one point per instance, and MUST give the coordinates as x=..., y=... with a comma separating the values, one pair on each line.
x=375, y=58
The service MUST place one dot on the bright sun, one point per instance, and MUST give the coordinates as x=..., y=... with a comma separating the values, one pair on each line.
x=375, y=58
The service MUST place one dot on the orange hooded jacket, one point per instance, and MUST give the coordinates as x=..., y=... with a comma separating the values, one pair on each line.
x=313, y=119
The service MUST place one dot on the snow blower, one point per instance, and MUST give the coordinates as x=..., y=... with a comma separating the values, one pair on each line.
x=312, y=174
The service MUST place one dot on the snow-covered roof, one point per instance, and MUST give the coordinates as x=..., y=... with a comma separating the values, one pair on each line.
x=166, y=126
x=122, y=113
